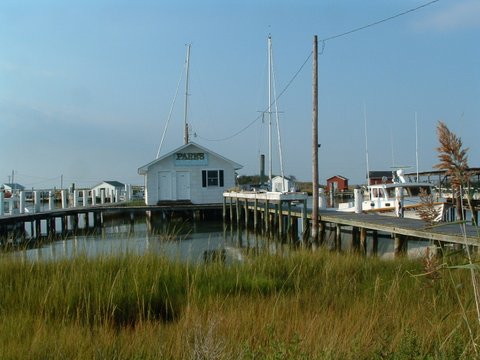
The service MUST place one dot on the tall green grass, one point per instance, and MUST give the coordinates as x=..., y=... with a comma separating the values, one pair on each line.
x=305, y=305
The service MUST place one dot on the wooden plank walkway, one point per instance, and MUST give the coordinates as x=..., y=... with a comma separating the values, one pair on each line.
x=445, y=232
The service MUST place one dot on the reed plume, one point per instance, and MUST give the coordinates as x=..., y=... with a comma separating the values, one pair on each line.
x=427, y=211
x=454, y=161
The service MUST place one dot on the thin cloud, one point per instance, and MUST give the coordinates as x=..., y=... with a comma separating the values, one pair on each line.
x=459, y=15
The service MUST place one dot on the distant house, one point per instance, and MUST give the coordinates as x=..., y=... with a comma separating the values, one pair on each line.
x=379, y=177
x=337, y=183
x=12, y=187
x=189, y=173
x=282, y=184
x=109, y=187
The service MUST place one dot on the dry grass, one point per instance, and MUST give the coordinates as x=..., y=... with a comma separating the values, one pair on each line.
x=307, y=305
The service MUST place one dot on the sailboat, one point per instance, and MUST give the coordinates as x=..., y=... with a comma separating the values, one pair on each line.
x=279, y=183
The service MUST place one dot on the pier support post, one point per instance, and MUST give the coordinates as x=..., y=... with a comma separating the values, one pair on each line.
x=474, y=217
x=38, y=228
x=289, y=219
x=280, y=220
x=231, y=211
x=374, y=242
x=237, y=211
x=321, y=232
x=338, y=237
x=400, y=245
x=64, y=223
x=305, y=230
x=266, y=216
x=255, y=214
x=363, y=241
x=224, y=209
x=355, y=246
x=246, y=213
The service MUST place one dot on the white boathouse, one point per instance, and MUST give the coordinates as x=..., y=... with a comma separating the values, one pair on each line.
x=110, y=188
x=189, y=173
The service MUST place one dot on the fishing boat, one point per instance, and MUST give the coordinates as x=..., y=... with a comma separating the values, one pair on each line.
x=400, y=197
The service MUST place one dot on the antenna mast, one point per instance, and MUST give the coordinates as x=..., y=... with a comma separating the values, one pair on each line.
x=416, y=143
x=187, y=64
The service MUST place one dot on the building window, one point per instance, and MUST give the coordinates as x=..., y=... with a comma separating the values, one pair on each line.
x=212, y=178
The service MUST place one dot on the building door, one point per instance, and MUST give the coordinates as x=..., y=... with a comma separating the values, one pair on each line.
x=164, y=185
x=183, y=185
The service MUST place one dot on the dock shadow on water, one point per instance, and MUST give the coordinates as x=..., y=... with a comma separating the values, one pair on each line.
x=176, y=238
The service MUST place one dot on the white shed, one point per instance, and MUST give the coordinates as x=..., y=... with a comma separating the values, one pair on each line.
x=12, y=187
x=281, y=184
x=110, y=188
x=189, y=173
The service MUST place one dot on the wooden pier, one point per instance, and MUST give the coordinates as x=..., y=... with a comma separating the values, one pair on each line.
x=282, y=212
x=62, y=222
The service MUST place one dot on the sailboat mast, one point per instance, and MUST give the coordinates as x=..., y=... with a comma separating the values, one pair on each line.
x=270, y=108
x=187, y=65
x=366, y=141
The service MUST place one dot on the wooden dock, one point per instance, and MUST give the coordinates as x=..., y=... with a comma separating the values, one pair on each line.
x=12, y=227
x=283, y=213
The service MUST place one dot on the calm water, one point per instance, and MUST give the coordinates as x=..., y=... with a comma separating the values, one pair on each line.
x=182, y=240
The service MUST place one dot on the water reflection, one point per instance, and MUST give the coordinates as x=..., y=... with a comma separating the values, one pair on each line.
x=184, y=240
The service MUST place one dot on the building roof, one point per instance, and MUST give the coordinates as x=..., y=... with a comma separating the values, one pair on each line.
x=143, y=169
x=116, y=184
x=337, y=176
x=15, y=186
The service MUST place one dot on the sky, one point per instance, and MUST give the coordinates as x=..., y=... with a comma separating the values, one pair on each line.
x=87, y=88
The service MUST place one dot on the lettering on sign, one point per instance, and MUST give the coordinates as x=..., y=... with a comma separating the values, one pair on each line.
x=190, y=156
x=190, y=159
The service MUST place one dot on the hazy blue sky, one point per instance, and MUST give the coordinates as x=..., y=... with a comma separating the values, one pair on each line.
x=86, y=86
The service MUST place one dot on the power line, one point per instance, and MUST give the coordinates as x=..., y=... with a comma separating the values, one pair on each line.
x=323, y=41
x=261, y=114
x=378, y=22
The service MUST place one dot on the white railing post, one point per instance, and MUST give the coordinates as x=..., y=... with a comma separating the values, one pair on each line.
x=36, y=201
x=22, y=202
x=11, y=204
x=94, y=197
x=85, y=197
x=117, y=195
x=51, y=200
x=358, y=200
x=102, y=196
x=64, y=199
x=2, y=203
x=75, y=198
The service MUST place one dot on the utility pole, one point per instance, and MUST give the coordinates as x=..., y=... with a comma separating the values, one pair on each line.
x=315, y=144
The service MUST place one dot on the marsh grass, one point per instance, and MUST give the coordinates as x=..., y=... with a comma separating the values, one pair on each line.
x=304, y=305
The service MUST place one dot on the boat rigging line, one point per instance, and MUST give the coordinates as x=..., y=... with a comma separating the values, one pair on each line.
x=172, y=106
